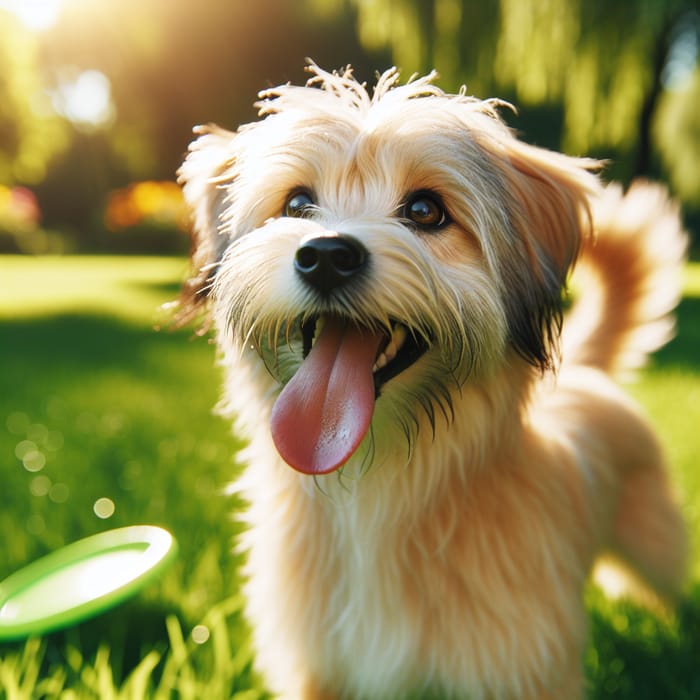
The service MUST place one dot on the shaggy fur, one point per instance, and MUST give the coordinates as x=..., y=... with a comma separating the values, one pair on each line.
x=447, y=556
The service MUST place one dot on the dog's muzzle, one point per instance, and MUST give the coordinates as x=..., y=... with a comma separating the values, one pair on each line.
x=324, y=411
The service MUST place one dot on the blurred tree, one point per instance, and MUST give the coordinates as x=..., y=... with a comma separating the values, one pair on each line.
x=167, y=65
x=606, y=62
x=173, y=65
x=677, y=132
x=607, y=77
x=30, y=133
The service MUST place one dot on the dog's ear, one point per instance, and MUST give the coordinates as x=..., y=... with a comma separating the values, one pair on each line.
x=204, y=176
x=547, y=204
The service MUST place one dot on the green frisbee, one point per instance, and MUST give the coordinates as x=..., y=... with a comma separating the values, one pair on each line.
x=82, y=579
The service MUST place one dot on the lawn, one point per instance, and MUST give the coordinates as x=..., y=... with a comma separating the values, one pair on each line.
x=106, y=422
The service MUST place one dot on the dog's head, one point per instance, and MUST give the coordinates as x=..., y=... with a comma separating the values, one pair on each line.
x=393, y=245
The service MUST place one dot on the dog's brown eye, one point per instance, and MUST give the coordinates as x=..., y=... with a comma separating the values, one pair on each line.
x=299, y=204
x=425, y=210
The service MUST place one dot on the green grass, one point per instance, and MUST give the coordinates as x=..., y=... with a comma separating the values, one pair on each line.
x=95, y=404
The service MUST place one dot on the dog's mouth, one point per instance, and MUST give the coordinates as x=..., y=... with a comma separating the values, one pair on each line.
x=325, y=410
x=398, y=349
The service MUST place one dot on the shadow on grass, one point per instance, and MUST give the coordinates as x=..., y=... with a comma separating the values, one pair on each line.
x=70, y=354
x=170, y=290
x=77, y=340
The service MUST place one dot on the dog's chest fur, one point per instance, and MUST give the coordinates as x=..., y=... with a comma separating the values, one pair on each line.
x=376, y=572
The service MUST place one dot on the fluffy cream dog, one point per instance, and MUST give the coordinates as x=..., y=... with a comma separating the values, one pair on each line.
x=432, y=469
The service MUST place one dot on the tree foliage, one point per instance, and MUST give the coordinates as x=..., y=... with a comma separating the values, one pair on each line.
x=169, y=66
x=30, y=133
x=604, y=62
x=589, y=76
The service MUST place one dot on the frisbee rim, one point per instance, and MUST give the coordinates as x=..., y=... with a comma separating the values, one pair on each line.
x=155, y=544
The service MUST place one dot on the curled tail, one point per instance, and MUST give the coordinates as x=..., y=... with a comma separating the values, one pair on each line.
x=627, y=281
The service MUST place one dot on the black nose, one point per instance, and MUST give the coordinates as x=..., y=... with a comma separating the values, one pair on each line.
x=328, y=262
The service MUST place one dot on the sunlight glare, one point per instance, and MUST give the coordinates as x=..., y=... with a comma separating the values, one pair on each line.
x=682, y=55
x=36, y=15
x=104, y=508
x=85, y=101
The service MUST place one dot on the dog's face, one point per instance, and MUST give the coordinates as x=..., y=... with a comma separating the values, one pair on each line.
x=379, y=253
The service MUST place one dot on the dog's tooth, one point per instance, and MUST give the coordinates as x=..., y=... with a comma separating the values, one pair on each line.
x=390, y=351
x=380, y=362
x=398, y=337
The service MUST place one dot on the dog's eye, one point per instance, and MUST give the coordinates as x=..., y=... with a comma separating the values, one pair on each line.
x=299, y=204
x=425, y=210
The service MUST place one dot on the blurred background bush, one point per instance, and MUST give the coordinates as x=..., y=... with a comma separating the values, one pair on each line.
x=98, y=97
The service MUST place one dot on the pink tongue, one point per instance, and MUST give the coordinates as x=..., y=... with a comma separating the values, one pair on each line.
x=325, y=410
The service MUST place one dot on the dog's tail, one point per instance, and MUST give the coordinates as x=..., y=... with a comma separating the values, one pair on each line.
x=627, y=281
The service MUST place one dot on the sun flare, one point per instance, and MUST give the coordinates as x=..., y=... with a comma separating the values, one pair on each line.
x=37, y=15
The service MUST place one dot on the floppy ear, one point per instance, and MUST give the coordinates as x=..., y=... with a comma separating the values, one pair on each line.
x=204, y=175
x=547, y=205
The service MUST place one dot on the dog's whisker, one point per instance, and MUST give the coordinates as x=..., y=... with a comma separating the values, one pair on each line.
x=320, y=485
x=410, y=436
x=368, y=458
x=426, y=403
x=289, y=328
x=251, y=336
x=274, y=333
x=444, y=402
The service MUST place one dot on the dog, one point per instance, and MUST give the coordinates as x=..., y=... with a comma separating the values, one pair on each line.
x=433, y=463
